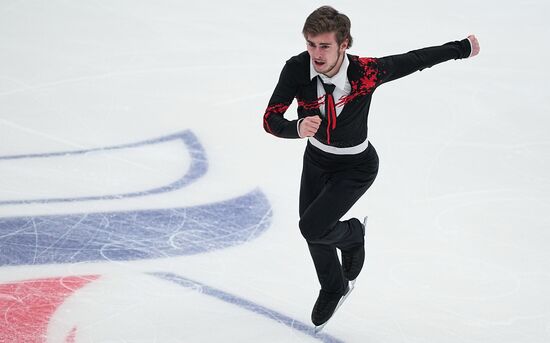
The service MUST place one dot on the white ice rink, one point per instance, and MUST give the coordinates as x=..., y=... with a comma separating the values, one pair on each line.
x=142, y=201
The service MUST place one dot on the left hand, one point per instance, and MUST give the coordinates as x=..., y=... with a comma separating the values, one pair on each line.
x=475, y=45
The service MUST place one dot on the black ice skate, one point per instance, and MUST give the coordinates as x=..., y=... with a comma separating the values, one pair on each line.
x=353, y=260
x=326, y=305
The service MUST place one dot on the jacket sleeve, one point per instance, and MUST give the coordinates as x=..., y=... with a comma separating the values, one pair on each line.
x=283, y=95
x=396, y=66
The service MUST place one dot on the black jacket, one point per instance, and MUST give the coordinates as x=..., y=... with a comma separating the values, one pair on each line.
x=364, y=74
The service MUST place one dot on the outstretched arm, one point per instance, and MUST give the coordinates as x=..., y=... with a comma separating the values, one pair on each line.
x=396, y=66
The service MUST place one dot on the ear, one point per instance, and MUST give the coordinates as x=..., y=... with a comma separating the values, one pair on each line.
x=344, y=44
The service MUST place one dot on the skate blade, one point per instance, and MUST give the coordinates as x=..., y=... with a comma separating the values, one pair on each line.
x=318, y=328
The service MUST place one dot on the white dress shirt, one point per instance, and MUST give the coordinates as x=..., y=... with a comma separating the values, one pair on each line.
x=342, y=89
x=340, y=81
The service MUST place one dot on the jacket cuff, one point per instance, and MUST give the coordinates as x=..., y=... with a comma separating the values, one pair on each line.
x=298, y=127
x=466, y=47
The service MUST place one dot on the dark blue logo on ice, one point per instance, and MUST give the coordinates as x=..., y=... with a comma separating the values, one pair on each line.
x=141, y=234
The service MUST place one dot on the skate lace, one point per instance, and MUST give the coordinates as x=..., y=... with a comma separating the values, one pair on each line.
x=347, y=259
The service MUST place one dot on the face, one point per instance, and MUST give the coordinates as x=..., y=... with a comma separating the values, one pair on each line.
x=325, y=53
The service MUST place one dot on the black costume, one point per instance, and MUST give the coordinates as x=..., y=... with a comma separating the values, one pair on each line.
x=332, y=182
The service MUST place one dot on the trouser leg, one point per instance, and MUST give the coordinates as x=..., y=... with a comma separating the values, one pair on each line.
x=328, y=267
x=324, y=199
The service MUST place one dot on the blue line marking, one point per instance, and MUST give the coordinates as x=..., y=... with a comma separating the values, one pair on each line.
x=197, y=169
x=133, y=235
x=247, y=305
x=144, y=234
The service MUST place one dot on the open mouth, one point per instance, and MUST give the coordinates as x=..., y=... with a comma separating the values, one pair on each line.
x=319, y=63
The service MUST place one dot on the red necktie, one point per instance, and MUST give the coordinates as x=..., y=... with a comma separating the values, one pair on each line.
x=330, y=109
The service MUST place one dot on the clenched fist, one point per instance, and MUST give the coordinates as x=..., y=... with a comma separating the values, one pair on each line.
x=309, y=126
x=475, y=45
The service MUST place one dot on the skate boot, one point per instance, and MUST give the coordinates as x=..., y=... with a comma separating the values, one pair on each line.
x=326, y=305
x=353, y=259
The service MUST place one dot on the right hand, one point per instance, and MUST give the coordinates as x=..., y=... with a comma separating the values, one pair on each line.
x=309, y=126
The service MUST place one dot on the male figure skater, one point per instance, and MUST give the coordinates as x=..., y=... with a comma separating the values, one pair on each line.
x=334, y=91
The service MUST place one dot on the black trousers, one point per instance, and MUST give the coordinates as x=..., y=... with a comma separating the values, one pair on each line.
x=330, y=186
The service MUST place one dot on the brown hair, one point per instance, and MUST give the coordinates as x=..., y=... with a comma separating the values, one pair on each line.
x=327, y=19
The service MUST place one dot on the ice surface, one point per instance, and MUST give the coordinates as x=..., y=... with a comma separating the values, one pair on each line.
x=141, y=200
x=105, y=171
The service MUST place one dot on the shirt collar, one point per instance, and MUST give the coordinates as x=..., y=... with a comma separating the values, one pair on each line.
x=339, y=80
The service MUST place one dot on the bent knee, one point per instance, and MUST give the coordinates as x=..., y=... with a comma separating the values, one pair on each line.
x=311, y=232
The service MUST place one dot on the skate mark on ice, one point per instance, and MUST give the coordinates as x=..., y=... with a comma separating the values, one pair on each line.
x=247, y=305
x=27, y=306
x=133, y=235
